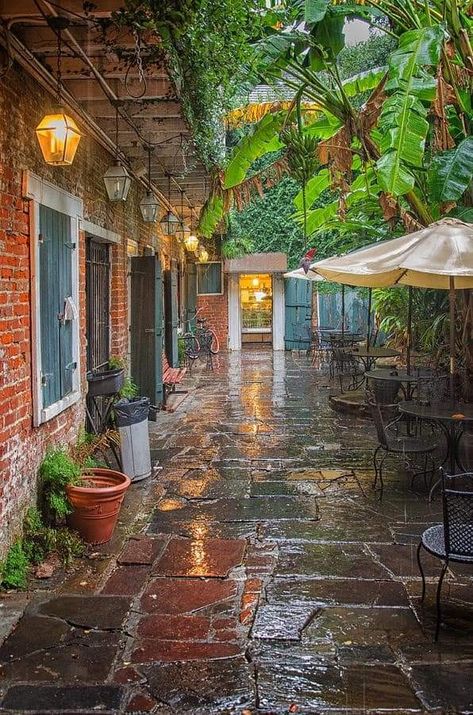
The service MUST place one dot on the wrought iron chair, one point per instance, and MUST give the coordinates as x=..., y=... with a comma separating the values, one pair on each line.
x=452, y=540
x=348, y=370
x=433, y=388
x=383, y=392
x=392, y=441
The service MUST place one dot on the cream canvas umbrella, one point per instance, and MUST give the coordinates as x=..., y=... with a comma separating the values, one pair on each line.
x=439, y=256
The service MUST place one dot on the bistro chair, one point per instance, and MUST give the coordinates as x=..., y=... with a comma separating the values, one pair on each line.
x=451, y=541
x=433, y=388
x=383, y=392
x=392, y=441
x=348, y=370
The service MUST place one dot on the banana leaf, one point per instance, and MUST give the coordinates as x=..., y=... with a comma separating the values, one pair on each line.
x=263, y=139
x=451, y=172
x=363, y=81
x=403, y=122
x=210, y=216
x=314, y=188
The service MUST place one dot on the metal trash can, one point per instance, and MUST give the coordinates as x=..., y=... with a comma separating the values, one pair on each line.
x=132, y=420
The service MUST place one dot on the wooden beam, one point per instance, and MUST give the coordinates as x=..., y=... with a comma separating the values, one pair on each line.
x=90, y=90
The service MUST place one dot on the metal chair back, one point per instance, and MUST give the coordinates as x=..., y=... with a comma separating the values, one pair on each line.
x=433, y=389
x=379, y=424
x=457, y=492
x=384, y=392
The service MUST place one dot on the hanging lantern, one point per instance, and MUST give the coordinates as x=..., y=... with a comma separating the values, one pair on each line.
x=169, y=223
x=203, y=255
x=58, y=135
x=149, y=206
x=117, y=182
x=191, y=243
x=183, y=233
x=117, y=179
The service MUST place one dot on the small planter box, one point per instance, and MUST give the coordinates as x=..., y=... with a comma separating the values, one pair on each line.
x=106, y=382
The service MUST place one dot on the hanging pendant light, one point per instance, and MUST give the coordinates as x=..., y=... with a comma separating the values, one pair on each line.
x=169, y=222
x=191, y=242
x=149, y=204
x=203, y=254
x=58, y=135
x=117, y=179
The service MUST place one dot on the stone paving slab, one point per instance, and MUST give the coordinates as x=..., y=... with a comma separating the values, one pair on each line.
x=265, y=577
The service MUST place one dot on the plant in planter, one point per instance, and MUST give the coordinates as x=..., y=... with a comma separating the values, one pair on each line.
x=88, y=496
x=128, y=388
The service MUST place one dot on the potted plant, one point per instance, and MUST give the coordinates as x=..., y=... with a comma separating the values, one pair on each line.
x=75, y=488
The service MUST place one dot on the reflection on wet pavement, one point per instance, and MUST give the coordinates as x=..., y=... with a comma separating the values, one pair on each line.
x=270, y=578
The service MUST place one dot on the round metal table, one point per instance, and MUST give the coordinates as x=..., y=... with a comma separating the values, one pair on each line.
x=368, y=356
x=451, y=417
x=407, y=381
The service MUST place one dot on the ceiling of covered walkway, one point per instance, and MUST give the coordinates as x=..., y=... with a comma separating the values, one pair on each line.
x=101, y=74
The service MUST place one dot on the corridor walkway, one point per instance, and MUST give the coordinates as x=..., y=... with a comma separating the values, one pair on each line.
x=268, y=578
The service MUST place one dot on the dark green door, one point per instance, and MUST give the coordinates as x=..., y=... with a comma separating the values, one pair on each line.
x=146, y=327
x=298, y=298
x=171, y=314
x=191, y=296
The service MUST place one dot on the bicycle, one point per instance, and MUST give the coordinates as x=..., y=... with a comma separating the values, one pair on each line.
x=202, y=334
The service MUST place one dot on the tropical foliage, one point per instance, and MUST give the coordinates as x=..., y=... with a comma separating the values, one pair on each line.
x=415, y=125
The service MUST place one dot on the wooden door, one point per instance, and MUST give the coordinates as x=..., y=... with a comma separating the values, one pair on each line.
x=298, y=298
x=146, y=327
x=171, y=319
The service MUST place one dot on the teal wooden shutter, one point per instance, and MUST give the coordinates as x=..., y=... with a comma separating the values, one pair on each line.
x=209, y=278
x=55, y=285
x=191, y=296
x=298, y=298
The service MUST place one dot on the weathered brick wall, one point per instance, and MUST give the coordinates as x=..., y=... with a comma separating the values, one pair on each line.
x=22, y=104
x=215, y=308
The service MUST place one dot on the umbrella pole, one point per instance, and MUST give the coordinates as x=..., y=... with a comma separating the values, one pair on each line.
x=451, y=295
x=409, y=332
x=343, y=312
x=368, y=329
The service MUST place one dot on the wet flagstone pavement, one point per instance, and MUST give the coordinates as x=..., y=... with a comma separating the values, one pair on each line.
x=268, y=578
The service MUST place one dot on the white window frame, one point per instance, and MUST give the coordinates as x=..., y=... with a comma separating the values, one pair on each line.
x=206, y=263
x=41, y=192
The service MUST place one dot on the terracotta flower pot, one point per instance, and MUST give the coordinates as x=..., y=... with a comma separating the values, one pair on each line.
x=96, y=507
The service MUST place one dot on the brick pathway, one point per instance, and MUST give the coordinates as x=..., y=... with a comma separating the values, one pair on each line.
x=267, y=578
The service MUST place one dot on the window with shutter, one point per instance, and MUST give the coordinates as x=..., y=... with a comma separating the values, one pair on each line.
x=209, y=278
x=56, y=321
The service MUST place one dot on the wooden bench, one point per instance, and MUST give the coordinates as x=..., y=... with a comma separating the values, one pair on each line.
x=172, y=376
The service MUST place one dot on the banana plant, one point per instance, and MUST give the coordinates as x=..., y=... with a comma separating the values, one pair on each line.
x=412, y=138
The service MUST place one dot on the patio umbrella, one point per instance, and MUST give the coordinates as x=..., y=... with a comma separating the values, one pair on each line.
x=439, y=256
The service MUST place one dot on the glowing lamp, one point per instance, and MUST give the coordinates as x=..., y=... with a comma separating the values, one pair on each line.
x=203, y=255
x=191, y=243
x=117, y=182
x=58, y=136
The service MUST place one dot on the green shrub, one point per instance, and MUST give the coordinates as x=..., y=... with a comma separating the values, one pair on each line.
x=14, y=570
x=57, y=471
x=128, y=389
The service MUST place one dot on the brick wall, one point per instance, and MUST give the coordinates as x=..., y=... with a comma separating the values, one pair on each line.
x=215, y=308
x=22, y=104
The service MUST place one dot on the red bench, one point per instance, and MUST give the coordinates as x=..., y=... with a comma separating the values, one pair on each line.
x=172, y=376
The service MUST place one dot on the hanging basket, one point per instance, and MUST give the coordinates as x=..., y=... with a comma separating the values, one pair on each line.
x=105, y=382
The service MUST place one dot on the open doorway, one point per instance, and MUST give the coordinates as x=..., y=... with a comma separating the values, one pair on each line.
x=256, y=300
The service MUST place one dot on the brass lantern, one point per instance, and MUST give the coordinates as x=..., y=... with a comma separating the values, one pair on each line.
x=203, y=255
x=58, y=136
x=117, y=179
x=191, y=243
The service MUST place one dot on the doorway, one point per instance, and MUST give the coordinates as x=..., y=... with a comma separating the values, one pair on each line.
x=256, y=304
